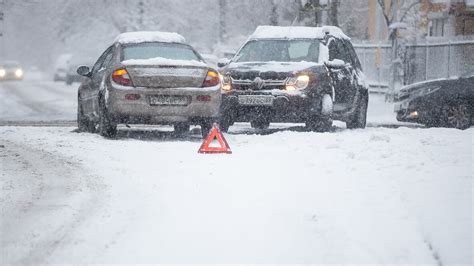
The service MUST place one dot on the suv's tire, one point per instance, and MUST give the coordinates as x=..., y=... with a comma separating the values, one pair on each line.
x=225, y=122
x=359, y=119
x=260, y=124
x=206, y=128
x=107, y=128
x=83, y=123
x=319, y=123
x=181, y=128
x=456, y=116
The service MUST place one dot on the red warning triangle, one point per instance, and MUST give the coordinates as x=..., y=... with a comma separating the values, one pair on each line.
x=215, y=134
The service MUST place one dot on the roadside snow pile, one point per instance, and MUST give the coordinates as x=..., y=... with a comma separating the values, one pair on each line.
x=375, y=196
x=161, y=61
x=149, y=36
x=277, y=32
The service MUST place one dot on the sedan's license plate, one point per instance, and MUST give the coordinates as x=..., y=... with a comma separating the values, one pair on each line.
x=168, y=100
x=255, y=100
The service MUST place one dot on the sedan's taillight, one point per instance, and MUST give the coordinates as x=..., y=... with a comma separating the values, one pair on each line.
x=121, y=77
x=212, y=79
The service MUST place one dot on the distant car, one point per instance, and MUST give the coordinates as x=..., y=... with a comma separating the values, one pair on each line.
x=74, y=64
x=11, y=71
x=438, y=103
x=61, y=67
x=148, y=78
x=306, y=75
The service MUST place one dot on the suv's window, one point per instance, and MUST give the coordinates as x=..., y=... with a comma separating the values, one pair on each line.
x=353, y=55
x=468, y=75
x=279, y=51
x=172, y=51
x=338, y=51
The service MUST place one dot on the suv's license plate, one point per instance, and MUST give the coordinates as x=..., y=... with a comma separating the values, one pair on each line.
x=168, y=100
x=255, y=100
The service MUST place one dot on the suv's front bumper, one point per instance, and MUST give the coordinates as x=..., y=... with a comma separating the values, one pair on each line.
x=285, y=107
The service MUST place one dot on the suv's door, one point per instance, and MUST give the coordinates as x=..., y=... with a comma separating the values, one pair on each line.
x=91, y=91
x=342, y=76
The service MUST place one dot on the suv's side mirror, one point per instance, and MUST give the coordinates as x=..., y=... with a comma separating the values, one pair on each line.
x=335, y=63
x=84, y=71
x=223, y=62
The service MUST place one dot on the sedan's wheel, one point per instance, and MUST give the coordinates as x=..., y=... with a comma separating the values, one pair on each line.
x=260, y=124
x=359, y=120
x=107, y=128
x=319, y=123
x=457, y=116
x=181, y=129
x=83, y=123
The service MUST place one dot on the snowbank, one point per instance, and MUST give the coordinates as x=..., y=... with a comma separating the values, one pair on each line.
x=277, y=32
x=149, y=36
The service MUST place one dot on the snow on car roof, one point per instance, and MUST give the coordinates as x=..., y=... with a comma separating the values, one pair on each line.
x=277, y=32
x=149, y=36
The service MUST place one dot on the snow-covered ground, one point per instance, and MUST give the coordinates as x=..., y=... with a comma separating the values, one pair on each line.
x=389, y=194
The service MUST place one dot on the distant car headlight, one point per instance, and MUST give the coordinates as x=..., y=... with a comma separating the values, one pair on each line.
x=226, y=83
x=297, y=83
x=3, y=73
x=19, y=73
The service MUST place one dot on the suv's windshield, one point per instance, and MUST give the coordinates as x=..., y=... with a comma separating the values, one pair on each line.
x=279, y=51
x=164, y=50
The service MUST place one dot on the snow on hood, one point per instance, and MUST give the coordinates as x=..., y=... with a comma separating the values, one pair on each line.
x=277, y=32
x=160, y=61
x=149, y=36
x=272, y=66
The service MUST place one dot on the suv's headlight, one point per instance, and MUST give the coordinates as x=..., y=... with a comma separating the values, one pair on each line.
x=226, y=83
x=3, y=73
x=297, y=83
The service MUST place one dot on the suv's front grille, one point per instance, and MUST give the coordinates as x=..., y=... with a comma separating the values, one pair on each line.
x=258, y=84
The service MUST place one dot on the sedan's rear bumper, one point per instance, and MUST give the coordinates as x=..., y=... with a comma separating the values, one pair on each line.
x=141, y=110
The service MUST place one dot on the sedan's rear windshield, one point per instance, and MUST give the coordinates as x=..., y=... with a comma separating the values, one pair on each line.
x=280, y=51
x=163, y=50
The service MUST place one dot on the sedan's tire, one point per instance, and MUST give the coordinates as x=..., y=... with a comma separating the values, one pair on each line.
x=359, y=119
x=457, y=116
x=181, y=128
x=319, y=123
x=83, y=123
x=260, y=124
x=107, y=128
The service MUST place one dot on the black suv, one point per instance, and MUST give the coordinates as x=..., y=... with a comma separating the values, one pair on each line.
x=294, y=74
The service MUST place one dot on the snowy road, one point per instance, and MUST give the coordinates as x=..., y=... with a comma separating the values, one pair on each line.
x=389, y=194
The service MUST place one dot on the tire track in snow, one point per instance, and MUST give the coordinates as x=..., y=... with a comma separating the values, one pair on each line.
x=61, y=190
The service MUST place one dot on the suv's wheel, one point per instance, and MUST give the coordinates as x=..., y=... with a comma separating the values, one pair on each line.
x=319, y=123
x=83, y=123
x=260, y=123
x=457, y=116
x=225, y=122
x=206, y=128
x=181, y=128
x=107, y=128
x=359, y=119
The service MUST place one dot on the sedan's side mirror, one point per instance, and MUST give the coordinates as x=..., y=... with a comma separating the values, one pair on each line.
x=335, y=63
x=223, y=62
x=84, y=71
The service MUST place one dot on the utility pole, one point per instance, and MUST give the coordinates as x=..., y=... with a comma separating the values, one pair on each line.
x=222, y=20
x=141, y=13
x=2, y=28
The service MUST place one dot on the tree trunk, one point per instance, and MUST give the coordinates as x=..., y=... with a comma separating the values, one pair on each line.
x=222, y=20
x=333, y=12
x=274, y=14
